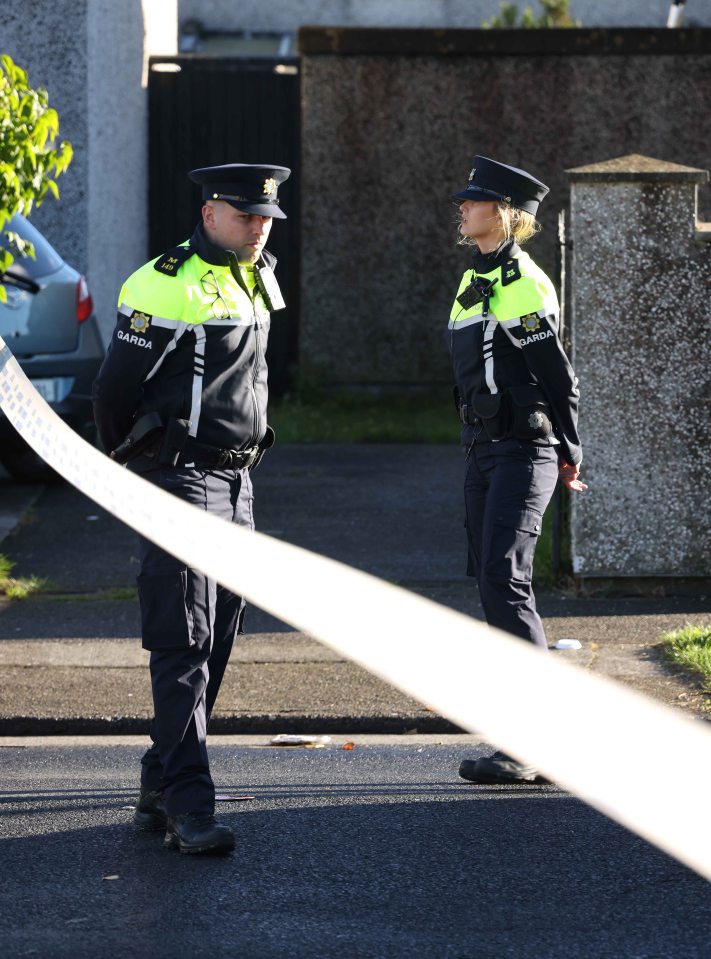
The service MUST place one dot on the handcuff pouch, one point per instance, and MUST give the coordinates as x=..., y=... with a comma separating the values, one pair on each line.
x=493, y=411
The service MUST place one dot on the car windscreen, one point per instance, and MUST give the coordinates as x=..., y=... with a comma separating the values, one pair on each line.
x=46, y=259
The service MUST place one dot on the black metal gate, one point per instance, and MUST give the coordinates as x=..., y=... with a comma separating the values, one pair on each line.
x=209, y=110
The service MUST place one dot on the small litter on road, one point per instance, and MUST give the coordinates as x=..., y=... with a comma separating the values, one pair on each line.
x=224, y=797
x=110, y=877
x=348, y=746
x=310, y=742
x=92, y=518
x=568, y=644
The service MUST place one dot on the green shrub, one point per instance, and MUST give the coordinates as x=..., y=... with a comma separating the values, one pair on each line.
x=556, y=13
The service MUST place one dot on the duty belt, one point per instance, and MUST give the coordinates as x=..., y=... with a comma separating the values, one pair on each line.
x=214, y=457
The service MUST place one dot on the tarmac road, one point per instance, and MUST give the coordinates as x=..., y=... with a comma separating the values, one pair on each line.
x=378, y=852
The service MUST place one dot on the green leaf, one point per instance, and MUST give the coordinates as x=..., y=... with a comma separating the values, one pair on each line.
x=7, y=64
x=30, y=161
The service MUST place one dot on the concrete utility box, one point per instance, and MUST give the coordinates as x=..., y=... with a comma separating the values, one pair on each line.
x=640, y=313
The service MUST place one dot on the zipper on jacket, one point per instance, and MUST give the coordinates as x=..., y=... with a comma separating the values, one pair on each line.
x=236, y=273
x=255, y=374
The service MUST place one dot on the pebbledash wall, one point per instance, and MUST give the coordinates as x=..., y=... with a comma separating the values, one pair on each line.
x=640, y=310
x=391, y=121
x=91, y=57
x=291, y=14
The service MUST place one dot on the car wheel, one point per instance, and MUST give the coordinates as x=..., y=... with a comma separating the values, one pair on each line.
x=26, y=466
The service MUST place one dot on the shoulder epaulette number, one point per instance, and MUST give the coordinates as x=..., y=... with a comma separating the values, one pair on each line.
x=510, y=272
x=171, y=261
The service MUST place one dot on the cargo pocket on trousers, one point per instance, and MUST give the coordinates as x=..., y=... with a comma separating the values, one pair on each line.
x=515, y=537
x=167, y=620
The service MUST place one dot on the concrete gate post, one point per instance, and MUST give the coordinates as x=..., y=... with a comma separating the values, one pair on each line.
x=640, y=315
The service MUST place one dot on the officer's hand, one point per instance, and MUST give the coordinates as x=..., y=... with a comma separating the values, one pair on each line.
x=569, y=476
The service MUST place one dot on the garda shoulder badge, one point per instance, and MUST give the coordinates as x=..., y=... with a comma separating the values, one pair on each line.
x=139, y=321
x=171, y=261
x=531, y=322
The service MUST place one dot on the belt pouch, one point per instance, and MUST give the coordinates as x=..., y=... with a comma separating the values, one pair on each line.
x=265, y=443
x=174, y=440
x=492, y=410
x=531, y=412
x=144, y=432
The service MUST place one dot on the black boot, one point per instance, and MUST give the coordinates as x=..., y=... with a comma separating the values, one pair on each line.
x=150, y=811
x=498, y=768
x=198, y=833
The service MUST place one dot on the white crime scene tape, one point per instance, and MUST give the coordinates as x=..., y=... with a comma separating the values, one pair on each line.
x=610, y=746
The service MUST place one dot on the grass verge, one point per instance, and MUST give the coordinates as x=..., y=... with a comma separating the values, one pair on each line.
x=347, y=416
x=18, y=588
x=111, y=594
x=690, y=647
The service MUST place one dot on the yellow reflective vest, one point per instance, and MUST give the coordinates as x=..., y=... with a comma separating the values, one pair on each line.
x=512, y=339
x=189, y=343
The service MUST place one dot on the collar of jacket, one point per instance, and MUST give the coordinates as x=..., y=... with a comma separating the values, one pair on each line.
x=486, y=262
x=217, y=256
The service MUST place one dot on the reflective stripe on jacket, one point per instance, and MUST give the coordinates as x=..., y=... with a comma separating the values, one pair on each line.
x=189, y=345
x=517, y=343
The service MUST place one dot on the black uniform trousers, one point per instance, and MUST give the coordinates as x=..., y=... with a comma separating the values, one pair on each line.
x=507, y=487
x=189, y=624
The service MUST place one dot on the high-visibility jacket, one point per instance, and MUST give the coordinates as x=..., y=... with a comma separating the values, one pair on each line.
x=516, y=343
x=189, y=343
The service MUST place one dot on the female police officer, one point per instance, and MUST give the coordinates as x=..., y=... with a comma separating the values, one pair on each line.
x=517, y=398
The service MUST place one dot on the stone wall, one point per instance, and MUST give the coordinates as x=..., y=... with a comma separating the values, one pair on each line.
x=640, y=315
x=391, y=120
x=90, y=55
x=291, y=14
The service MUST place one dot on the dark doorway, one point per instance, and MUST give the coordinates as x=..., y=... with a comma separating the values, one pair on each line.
x=209, y=110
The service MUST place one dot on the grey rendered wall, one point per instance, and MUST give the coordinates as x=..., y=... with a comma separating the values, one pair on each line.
x=48, y=39
x=291, y=14
x=641, y=311
x=90, y=56
x=116, y=184
x=388, y=136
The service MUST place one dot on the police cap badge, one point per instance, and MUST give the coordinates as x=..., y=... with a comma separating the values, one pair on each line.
x=250, y=187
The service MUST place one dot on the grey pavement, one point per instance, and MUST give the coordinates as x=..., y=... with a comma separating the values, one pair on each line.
x=376, y=852
x=71, y=657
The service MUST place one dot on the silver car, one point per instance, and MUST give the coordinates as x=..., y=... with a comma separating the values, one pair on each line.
x=49, y=324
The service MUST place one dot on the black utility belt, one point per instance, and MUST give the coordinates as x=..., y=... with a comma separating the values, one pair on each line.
x=172, y=445
x=214, y=457
x=522, y=412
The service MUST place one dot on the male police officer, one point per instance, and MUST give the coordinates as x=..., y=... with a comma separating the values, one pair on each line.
x=182, y=397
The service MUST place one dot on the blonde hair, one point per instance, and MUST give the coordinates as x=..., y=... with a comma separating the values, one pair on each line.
x=516, y=224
